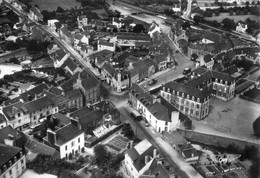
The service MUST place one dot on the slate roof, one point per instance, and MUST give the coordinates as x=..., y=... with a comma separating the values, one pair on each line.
x=2, y=118
x=89, y=83
x=67, y=133
x=7, y=153
x=109, y=69
x=8, y=130
x=40, y=148
x=105, y=43
x=62, y=119
x=90, y=117
x=38, y=104
x=142, y=95
x=81, y=112
x=187, y=90
x=73, y=94
x=138, y=153
x=70, y=64
x=133, y=36
x=10, y=112
x=103, y=53
x=30, y=93
x=189, y=151
x=55, y=90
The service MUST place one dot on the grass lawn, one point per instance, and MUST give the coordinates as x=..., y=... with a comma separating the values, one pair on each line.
x=51, y=5
x=236, y=18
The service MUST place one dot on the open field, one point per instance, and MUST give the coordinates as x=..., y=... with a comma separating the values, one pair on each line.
x=51, y=5
x=236, y=18
x=234, y=118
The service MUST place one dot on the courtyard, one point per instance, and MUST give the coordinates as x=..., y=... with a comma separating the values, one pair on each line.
x=232, y=119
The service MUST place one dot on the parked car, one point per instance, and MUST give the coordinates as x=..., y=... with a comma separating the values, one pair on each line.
x=152, y=82
x=186, y=71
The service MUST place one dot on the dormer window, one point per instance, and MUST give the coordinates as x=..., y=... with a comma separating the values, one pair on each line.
x=163, y=88
x=188, y=97
x=182, y=95
x=221, y=81
x=168, y=90
x=15, y=159
x=173, y=92
x=193, y=98
x=178, y=93
x=21, y=154
x=216, y=80
x=198, y=100
x=226, y=82
x=10, y=163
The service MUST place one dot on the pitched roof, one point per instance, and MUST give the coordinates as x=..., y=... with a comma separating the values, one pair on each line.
x=189, y=151
x=67, y=133
x=6, y=131
x=81, y=112
x=105, y=43
x=187, y=90
x=62, y=119
x=70, y=64
x=89, y=82
x=2, y=118
x=55, y=90
x=28, y=94
x=11, y=110
x=7, y=153
x=88, y=118
x=73, y=94
x=138, y=153
x=104, y=53
x=109, y=69
x=140, y=93
x=38, y=104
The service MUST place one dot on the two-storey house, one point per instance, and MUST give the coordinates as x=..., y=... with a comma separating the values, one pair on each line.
x=67, y=140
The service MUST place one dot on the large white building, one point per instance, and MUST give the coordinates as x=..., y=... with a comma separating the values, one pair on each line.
x=68, y=140
x=158, y=112
x=12, y=161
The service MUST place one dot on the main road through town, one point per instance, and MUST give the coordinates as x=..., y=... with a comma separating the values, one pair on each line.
x=183, y=169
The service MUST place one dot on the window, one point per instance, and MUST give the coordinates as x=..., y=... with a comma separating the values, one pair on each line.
x=79, y=140
x=197, y=113
x=182, y=101
x=66, y=147
x=22, y=161
x=10, y=171
x=72, y=143
x=186, y=110
x=19, y=114
x=16, y=166
x=197, y=106
x=187, y=103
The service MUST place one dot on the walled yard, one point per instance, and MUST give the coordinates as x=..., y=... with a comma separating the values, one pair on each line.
x=51, y=5
x=233, y=118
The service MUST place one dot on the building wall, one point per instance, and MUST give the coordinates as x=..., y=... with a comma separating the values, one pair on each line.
x=130, y=167
x=16, y=169
x=196, y=109
x=21, y=121
x=73, y=146
x=223, y=91
x=44, y=112
x=110, y=48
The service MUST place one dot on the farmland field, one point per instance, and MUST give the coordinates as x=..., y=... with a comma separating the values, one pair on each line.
x=236, y=18
x=51, y=5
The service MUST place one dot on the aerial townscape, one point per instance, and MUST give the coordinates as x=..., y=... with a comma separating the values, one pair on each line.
x=129, y=89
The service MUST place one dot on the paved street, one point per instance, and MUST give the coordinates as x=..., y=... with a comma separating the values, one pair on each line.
x=171, y=155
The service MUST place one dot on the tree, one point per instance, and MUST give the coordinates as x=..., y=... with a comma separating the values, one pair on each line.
x=101, y=154
x=228, y=24
x=138, y=28
x=256, y=127
x=231, y=13
x=59, y=9
x=58, y=27
x=14, y=60
x=194, y=56
x=197, y=19
x=185, y=25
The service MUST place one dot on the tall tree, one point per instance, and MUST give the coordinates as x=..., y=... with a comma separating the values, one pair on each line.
x=138, y=28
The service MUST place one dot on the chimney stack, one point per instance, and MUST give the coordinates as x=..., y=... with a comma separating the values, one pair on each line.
x=75, y=122
x=146, y=159
x=51, y=136
x=154, y=153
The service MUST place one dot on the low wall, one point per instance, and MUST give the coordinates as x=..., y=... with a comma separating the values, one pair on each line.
x=215, y=141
